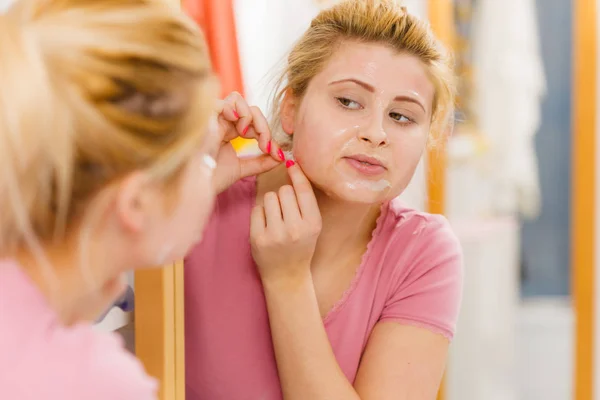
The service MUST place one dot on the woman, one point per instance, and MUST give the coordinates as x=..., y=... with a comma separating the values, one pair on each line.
x=106, y=166
x=315, y=282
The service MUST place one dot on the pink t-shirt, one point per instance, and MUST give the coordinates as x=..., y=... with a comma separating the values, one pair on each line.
x=411, y=274
x=42, y=359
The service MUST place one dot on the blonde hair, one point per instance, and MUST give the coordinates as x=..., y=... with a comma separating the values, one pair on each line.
x=368, y=21
x=92, y=90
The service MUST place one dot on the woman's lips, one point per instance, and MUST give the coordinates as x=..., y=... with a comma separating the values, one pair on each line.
x=366, y=165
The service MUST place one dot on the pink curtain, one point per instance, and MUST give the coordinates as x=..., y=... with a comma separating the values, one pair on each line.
x=217, y=20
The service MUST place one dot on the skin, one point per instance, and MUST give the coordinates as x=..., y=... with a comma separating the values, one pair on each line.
x=311, y=225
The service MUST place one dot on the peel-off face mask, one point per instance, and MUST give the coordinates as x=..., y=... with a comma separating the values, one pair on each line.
x=377, y=186
x=362, y=167
x=209, y=162
x=289, y=155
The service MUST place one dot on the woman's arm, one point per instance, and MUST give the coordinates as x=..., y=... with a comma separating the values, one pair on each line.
x=400, y=361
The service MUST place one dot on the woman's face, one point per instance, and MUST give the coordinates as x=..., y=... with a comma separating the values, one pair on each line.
x=172, y=218
x=362, y=125
x=182, y=226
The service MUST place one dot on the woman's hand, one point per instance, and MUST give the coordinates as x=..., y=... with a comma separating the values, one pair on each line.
x=284, y=230
x=235, y=119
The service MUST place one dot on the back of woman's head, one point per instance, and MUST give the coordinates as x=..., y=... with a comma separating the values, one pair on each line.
x=383, y=22
x=92, y=90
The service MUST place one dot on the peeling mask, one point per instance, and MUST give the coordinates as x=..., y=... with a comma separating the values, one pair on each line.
x=208, y=165
x=289, y=155
x=374, y=186
x=371, y=69
x=209, y=162
x=361, y=169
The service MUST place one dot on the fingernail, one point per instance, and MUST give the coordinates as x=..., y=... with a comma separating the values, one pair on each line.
x=281, y=155
x=269, y=147
x=289, y=163
x=236, y=114
x=245, y=130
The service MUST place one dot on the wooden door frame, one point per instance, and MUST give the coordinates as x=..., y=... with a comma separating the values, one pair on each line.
x=583, y=176
x=441, y=17
x=159, y=328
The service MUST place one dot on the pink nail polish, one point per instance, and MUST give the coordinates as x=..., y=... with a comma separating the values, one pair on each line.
x=289, y=163
x=236, y=114
x=281, y=155
x=245, y=130
x=269, y=147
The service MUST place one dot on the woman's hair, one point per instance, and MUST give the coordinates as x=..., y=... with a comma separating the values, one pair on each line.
x=368, y=21
x=92, y=90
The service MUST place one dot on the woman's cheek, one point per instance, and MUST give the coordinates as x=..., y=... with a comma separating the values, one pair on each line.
x=304, y=158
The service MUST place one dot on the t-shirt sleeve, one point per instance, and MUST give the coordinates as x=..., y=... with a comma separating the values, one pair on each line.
x=429, y=294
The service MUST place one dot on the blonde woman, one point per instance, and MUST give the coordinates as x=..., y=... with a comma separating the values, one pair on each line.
x=336, y=290
x=106, y=164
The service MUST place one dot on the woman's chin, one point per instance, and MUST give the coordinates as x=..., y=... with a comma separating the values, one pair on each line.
x=351, y=193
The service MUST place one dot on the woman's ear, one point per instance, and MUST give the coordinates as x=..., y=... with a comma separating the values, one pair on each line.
x=133, y=202
x=288, y=112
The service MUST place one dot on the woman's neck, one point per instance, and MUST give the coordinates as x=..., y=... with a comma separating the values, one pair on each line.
x=74, y=295
x=346, y=227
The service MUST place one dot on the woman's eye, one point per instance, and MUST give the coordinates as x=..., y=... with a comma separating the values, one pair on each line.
x=400, y=118
x=351, y=104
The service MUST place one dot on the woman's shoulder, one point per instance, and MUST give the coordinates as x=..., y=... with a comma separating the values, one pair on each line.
x=425, y=266
x=97, y=361
x=80, y=362
x=108, y=366
x=64, y=361
x=418, y=227
x=419, y=242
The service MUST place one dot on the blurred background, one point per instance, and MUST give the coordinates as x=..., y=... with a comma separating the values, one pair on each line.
x=517, y=179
